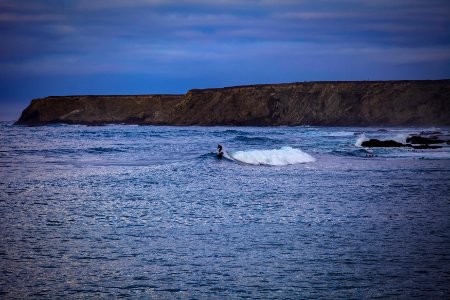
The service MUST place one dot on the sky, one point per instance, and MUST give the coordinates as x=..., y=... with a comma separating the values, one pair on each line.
x=73, y=47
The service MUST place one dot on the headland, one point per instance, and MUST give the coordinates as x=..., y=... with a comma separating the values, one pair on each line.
x=323, y=103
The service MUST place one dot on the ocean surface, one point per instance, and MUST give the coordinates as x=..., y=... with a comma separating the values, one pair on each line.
x=289, y=213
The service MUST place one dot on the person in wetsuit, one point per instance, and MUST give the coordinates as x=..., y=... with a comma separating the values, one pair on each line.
x=219, y=151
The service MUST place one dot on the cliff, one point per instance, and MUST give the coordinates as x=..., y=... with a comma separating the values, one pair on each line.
x=352, y=103
x=94, y=110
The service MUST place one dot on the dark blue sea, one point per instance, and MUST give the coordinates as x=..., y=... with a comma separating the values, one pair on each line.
x=122, y=211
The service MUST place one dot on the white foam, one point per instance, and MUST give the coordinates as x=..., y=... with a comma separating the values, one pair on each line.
x=276, y=157
x=362, y=138
x=341, y=133
x=401, y=138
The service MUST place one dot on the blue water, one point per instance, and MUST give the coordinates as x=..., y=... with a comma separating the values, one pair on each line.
x=149, y=212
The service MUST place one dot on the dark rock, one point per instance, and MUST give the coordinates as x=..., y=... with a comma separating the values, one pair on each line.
x=380, y=143
x=391, y=143
x=352, y=103
x=417, y=139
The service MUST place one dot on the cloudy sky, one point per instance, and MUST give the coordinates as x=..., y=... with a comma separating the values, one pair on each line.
x=63, y=47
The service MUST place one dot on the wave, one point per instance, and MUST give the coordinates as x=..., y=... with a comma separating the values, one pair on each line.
x=399, y=138
x=232, y=131
x=360, y=152
x=361, y=138
x=340, y=133
x=103, y=150
x=257, y=139
x=277, y=157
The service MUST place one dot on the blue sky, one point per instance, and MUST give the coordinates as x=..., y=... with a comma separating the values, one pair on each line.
x=64, y=47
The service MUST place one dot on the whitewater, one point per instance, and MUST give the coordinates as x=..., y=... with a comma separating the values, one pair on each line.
x=275, y=157
x=306, y=212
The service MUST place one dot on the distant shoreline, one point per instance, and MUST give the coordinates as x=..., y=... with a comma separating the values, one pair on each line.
x=315, y=103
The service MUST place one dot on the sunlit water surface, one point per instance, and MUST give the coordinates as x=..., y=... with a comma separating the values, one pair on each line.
x=149, y=212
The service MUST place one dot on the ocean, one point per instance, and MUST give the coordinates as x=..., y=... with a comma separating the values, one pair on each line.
x=123, y=211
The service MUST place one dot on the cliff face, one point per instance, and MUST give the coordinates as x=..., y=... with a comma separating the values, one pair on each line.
x=142, y=109
x=365, y=103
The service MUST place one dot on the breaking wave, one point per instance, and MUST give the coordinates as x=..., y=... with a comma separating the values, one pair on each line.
x=361, y=138
x=399, y=138
x=276, y=157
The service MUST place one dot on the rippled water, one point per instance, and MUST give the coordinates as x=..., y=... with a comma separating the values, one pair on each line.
x=149, y=212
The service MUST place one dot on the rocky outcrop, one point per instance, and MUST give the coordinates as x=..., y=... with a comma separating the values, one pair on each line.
x=363, y=103
x=375, y=143
x=413, y=141
x=381, y=143
x=417, y=139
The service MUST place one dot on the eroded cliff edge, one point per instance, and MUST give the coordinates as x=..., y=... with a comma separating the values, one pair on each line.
x=352, y=103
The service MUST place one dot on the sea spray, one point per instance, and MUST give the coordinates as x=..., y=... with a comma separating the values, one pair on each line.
x=275, y=157
x=361, y=138
x=401, y=138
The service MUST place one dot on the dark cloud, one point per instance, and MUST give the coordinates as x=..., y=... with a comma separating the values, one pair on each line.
x=164, y=45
